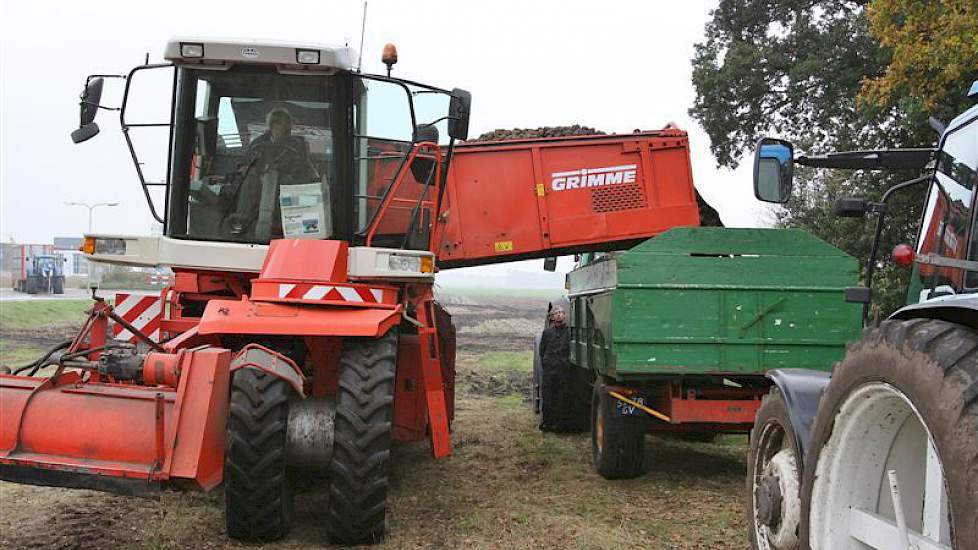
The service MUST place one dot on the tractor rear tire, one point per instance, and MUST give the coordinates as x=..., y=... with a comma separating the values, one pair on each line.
x=360, y=463
x=617, y=442
x=258, y=498
x=926, y=371
x=58, y=285
x=773, y=478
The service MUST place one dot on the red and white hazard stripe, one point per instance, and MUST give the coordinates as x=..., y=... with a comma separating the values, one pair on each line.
x=331, y=293
x=141, y=311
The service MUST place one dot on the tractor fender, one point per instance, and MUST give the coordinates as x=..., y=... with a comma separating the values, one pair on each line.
x=801, y=390
x=259, y=357
x=959, y=309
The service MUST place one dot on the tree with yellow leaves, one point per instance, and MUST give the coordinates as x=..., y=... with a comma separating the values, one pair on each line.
x=934, y=49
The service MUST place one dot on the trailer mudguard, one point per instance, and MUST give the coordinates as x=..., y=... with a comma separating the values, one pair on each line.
x=801, y=390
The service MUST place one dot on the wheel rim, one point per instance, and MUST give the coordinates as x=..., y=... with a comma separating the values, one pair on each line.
x=877, y=430
x=774, y=488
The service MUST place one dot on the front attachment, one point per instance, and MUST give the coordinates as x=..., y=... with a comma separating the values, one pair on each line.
x=144, y=420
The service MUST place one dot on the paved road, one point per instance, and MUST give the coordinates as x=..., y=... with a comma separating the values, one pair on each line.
x=8, y=295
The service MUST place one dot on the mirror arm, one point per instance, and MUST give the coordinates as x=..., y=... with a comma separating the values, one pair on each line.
x=879, y=208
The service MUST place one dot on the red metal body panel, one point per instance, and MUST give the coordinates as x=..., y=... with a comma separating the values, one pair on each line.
x=250, y=317
x=522, y=199
x=121, y=430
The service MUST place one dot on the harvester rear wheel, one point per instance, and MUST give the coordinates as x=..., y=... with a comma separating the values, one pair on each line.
x=902, y=403
x=617, y=442
x=361, y=449
x=258, y=498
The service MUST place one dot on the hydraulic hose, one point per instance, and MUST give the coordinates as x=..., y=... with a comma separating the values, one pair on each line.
x=37, y=363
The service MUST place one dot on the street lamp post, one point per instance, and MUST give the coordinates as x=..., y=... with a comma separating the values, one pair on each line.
x=91, y=208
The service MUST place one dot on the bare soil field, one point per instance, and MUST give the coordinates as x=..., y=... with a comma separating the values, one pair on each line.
x=506, y=485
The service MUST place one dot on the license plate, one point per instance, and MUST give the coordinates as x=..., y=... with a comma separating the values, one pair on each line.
x=624, y=409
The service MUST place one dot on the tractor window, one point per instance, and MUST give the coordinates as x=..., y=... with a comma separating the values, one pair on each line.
x=948, y=219
x=253, y=156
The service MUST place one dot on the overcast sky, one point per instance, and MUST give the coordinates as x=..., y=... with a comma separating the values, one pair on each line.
x=615, y=66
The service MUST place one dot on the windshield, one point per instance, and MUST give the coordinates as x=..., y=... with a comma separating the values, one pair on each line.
x=258, y=155
x=255, y=156
x=948, y=218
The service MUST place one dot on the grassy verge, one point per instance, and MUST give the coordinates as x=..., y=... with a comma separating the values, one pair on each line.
x=42, y=313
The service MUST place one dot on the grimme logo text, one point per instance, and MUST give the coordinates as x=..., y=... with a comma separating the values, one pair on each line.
x=593, y=177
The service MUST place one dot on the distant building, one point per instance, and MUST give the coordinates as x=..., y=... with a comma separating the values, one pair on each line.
x=77, y=264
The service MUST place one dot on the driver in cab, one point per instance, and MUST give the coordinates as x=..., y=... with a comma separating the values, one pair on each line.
x=277, y=149
x=276, y=158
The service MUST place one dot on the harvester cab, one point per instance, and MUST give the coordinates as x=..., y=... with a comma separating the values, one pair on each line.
x=304, y=207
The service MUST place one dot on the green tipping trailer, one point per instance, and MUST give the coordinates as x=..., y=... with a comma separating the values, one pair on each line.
x=679, y=330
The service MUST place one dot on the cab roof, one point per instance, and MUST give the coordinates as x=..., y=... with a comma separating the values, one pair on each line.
x=224, y=52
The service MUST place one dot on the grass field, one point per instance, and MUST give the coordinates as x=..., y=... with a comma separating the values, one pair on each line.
x=41, y=313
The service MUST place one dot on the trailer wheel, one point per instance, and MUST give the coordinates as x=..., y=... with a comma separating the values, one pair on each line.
x=904, y=400
x=258, y=498
x=361, y=449
x=773, y=478
x=617, y=442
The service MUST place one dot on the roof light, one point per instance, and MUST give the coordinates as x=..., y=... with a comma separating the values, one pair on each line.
x=191, y=49
x=307, y=57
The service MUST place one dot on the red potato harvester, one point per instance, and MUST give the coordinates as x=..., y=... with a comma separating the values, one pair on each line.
x=307, y=208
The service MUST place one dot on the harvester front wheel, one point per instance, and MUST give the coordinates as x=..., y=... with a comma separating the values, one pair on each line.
x=360, y=463
x=901, y=409
x=617, y=442
x=258, y=497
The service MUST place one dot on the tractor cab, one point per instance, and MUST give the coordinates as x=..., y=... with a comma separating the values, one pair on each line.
x=270, y=141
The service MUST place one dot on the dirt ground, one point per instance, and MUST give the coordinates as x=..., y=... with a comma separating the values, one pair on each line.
x=506, y=485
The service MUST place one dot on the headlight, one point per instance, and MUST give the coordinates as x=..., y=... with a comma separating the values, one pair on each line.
x=190, y=49
x=404, y=263
x=307, y=57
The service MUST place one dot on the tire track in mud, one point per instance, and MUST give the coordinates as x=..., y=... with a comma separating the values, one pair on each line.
x=72, y=519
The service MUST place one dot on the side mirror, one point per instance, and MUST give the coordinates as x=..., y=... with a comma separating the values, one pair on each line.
x=773, y=170
x=426, y=132
x=84, y=133
x=458, y=114
x=88, y=108
x=550, y=263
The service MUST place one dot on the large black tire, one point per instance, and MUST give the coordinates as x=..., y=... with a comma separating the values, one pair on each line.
x=935, y=364
x=58, y=285
x=617, y=442
x=361, y=449
x=768, y=514
x=258, y=498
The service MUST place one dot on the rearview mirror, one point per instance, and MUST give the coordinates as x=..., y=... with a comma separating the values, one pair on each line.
x=206, y=142
x=87, y=109
x=550, y=263
x=458, y=114
x=773, y=170
x=84, y=133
